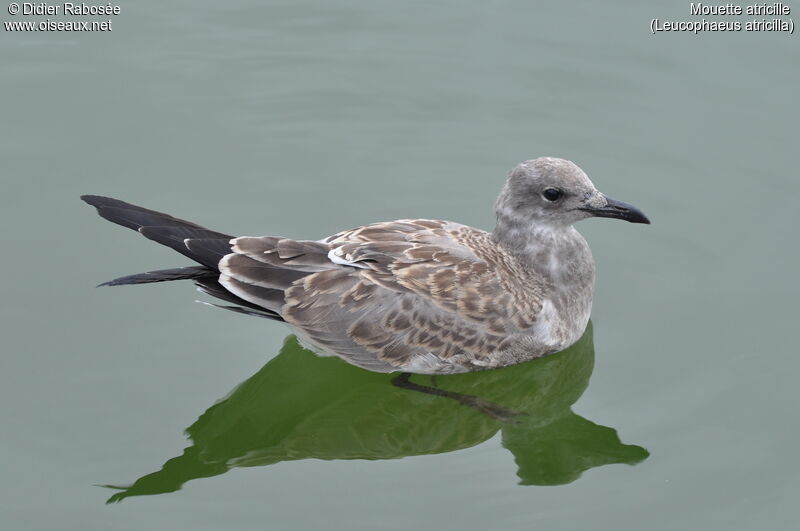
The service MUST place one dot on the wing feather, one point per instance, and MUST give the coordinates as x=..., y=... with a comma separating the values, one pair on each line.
x=433, y=297
x=300, y=255
x=418, y=295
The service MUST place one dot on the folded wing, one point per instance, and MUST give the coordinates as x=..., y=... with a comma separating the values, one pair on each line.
x=406, y=295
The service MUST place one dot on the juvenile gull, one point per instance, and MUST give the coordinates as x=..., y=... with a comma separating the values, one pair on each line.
x=414, y=295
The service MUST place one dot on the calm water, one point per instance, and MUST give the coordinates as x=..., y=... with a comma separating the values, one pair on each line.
x=677, y=410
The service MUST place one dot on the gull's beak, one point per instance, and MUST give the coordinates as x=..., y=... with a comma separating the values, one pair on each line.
x=619, y=210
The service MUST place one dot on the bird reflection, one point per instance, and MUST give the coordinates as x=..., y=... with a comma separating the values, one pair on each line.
x=300, y=406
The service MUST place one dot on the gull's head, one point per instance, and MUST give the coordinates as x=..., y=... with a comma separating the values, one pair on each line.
x=555, y=192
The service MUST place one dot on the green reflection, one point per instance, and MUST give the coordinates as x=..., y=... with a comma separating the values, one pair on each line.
x=300, y=406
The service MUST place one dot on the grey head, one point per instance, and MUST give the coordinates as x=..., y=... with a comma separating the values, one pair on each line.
x=552, y=193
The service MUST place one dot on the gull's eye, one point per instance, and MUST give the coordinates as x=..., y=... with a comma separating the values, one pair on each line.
x=552, y=194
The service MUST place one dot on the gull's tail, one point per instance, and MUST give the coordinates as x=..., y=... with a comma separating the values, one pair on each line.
x=204, y=246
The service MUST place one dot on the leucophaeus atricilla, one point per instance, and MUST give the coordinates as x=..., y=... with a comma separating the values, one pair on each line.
x=414, y=295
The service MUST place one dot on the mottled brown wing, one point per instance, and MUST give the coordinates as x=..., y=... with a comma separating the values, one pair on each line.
x=458, y=268
x=414, y=295
x=346, y=314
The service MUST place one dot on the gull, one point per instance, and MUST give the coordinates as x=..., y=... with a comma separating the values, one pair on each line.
x=419, y=296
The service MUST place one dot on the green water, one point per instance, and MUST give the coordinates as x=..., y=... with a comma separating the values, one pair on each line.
x=676, y=411
x=300, y=406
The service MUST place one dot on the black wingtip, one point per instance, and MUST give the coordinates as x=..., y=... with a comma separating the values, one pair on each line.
x=115, y=282
x=99, y=200
x=163, y=275
x=135, y=217
x=102, y=201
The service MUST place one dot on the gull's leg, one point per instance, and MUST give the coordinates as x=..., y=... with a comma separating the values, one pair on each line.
x=495, y=411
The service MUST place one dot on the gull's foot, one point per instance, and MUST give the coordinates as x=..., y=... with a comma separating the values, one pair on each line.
x=490, y=409
x=496, y=411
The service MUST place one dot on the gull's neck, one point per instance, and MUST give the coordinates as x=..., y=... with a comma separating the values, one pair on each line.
x=525, y=238
x=555, y=251
x=562, y=259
